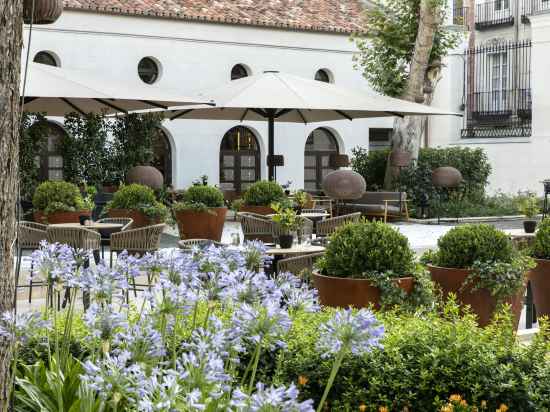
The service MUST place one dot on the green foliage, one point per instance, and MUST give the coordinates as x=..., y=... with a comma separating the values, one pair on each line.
x=237, y=204
x=59, y=196
x=464, y=245
x=133, y=139
x=264, y=193
x=286, y=218
x=371, y=164
x=132, y=196
x=302, y=198
x=210, y=196
x=386, y=46
x=541, y=245
x=87, y=153
x=529, y=206
x=453, y=205
x=425, y=359
x=32, y=141
x=359, y=248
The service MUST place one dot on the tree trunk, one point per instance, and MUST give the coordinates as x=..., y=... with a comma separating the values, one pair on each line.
x=408, y=131
x=11, y=27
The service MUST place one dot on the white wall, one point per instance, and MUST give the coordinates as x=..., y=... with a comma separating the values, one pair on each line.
x=199, y=56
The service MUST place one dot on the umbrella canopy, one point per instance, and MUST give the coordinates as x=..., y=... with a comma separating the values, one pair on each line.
x=57, y=91
x=284, y=97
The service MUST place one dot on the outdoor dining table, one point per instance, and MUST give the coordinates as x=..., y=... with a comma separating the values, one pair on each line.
x=279, y=253
x=91, y=225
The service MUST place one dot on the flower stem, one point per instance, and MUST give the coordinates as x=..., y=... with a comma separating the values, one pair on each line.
x=333, y=373
x=255, y=367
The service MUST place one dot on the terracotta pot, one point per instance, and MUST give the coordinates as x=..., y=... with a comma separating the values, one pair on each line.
x=61, y=217
x=201, y=225
x=140, y=218
x=145, y=175
x=540, y=285
x=45, y=11
x=482, y=303
x=261, y=210
x=359, y=293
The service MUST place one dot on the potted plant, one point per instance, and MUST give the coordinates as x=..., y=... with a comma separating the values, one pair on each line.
x=201, y=214
x=360, y=261
x=540, y=275
x=529, y=206
x=479, y=265
x=60, y=202
x=302, y=200
x=288, y=223
x=236, y=206
x=139, y=203
x=259, y=197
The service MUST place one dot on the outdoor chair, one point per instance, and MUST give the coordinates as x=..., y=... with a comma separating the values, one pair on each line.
x=328, y=226
x=29, y=236
x=255, y=227
x=126, y=223
x=380, y=204
x=137, y=242
x=298, y=264
x=189, y=244
x=319, y=210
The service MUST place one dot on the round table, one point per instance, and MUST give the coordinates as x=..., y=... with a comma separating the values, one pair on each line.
x=91, y=226
x=295, y=250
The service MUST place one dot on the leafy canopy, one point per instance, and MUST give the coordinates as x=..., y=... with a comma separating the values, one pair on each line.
x=386, y=46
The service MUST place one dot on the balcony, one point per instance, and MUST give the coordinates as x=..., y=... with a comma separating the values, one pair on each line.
x=530, y=7
x=496, y=13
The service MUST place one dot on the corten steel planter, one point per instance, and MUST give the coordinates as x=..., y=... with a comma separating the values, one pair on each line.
x=61, y=217
x=359, y=293
x=447, y=177
x=540, y=285
x=140, y=218
x=344, y=185
x=145, y=175
x=481, y=302
x=201, y=225
x=261, y=210
x=45, y=11
x=400, y=158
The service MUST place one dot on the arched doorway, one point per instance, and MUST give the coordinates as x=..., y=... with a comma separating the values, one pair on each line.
x=162, y=155
x=51, y=157
x=239, y=160
x=320, y=144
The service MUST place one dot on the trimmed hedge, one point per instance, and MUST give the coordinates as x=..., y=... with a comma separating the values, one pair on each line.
x=132, y=196
x=210, y=196
x=264, y=193
x=52, y=196
x=541, y=246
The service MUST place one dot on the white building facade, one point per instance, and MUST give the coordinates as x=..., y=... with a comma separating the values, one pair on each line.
x=191, y=55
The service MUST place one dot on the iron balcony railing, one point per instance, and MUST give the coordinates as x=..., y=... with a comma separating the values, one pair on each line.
x=529, y=7
x=498, y=90
x=495, y=13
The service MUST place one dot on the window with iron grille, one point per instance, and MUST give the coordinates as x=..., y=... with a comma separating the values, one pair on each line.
x=498, y=90
x=495, y=13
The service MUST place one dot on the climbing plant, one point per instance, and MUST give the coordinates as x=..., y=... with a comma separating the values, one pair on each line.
x=32, y=140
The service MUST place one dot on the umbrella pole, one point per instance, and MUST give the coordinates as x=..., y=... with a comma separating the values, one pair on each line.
x=272, y=173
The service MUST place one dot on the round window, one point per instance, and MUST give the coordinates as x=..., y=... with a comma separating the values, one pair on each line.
x=148, y=70
x=44, y=57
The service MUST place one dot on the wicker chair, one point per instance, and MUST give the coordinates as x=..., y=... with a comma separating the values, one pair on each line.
x=256, y=227
x=126, y=223
x=314, y=211
x=328, y=226
x=298, y=264
x=188, y=244
x=29, y=236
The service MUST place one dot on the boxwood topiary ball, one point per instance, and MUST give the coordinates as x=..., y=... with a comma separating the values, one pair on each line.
x=541, y=246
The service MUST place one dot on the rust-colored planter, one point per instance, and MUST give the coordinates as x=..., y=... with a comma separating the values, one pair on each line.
x=201, y=225
x=482, y=303
x=540, y=285
x=61, y=217
x=261, y=210
x=140, y=218
x=359, y=293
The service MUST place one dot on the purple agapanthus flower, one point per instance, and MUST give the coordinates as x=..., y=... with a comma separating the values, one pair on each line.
x=359, y=332
x=23, y=326
x=104, y=321
x=273, y=399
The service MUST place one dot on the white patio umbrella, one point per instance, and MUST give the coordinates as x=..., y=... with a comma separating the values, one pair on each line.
x=56, y=92
x=282, y=97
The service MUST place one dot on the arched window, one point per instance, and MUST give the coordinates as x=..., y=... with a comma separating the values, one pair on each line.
x=239, y=159
x=323, y=76
x=238, y=72
x=148, y=70
x=162, y=155
x=43, y=57
x=51, y=159
x=320, y=144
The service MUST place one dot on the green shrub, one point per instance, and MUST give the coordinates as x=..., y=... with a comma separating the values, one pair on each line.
x=463, y=245
x=371, y=164
x=208, y=195
x=132, y=196
x=264, y=193
x=359, y=248
x=59, y=196
x=541, y=246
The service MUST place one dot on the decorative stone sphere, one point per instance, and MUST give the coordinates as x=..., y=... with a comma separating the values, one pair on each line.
x=45, y=11
x=344, y=185
x=447, y=177
x=145, y=175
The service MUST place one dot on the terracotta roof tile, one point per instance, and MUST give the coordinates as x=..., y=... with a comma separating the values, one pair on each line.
x=317, y=15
